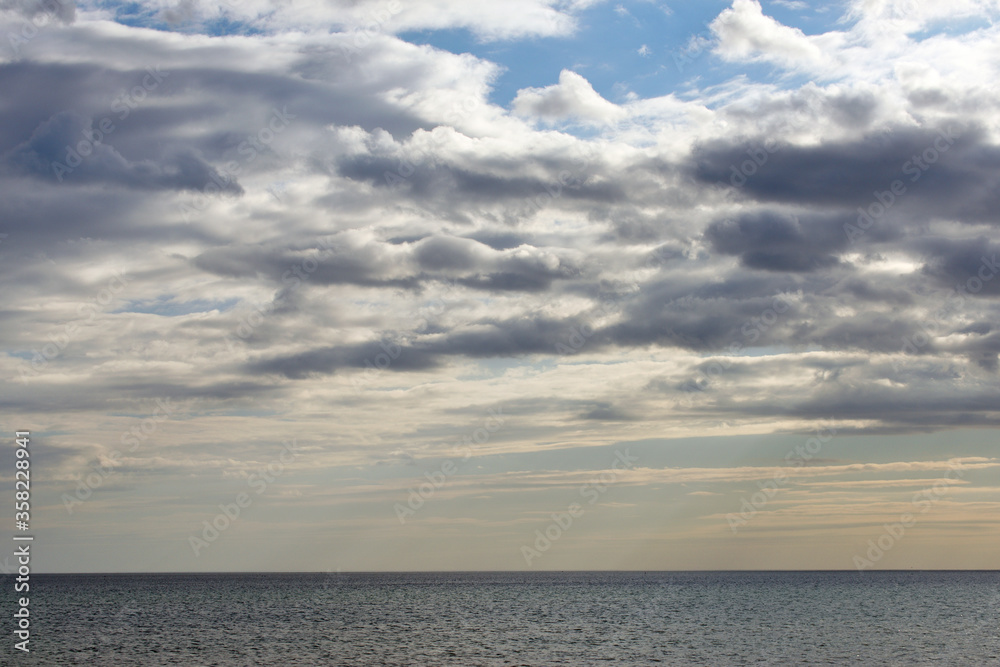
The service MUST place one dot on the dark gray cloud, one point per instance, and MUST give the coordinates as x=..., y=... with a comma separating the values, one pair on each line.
x=510, y=281
x=445, y=253
x=776, y=241
x=444, y=181
x=500, y=240
x=374, y=356
x=862, y=289
x=318, y=265
x=902, y=406
x=136, y=395
x=483, y=339
x=59, y=150
x=401, y=263
x=969, y=264
x=950, y=170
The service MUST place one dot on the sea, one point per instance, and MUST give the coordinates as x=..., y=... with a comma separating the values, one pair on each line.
x=506, y=618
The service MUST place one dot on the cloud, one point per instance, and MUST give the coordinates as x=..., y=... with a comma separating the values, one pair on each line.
x=926, y=162
x=61, y=150
x=40, y=11
x=906, y=16
x=744, y=32
x=573, y=98
x=726, y=258
x=514, y=20
x=779, y=242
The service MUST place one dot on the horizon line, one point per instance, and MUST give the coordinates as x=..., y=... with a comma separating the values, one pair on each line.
x=330, y=572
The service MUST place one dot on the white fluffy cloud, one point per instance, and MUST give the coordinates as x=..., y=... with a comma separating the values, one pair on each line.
x=745, y=33
x=573, y=98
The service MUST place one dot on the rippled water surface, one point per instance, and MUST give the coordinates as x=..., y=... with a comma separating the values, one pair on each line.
x=596, y=618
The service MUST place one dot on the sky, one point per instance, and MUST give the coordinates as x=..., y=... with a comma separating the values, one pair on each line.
x=329, y=285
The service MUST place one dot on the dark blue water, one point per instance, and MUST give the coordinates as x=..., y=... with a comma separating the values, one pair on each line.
x=588, y=618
